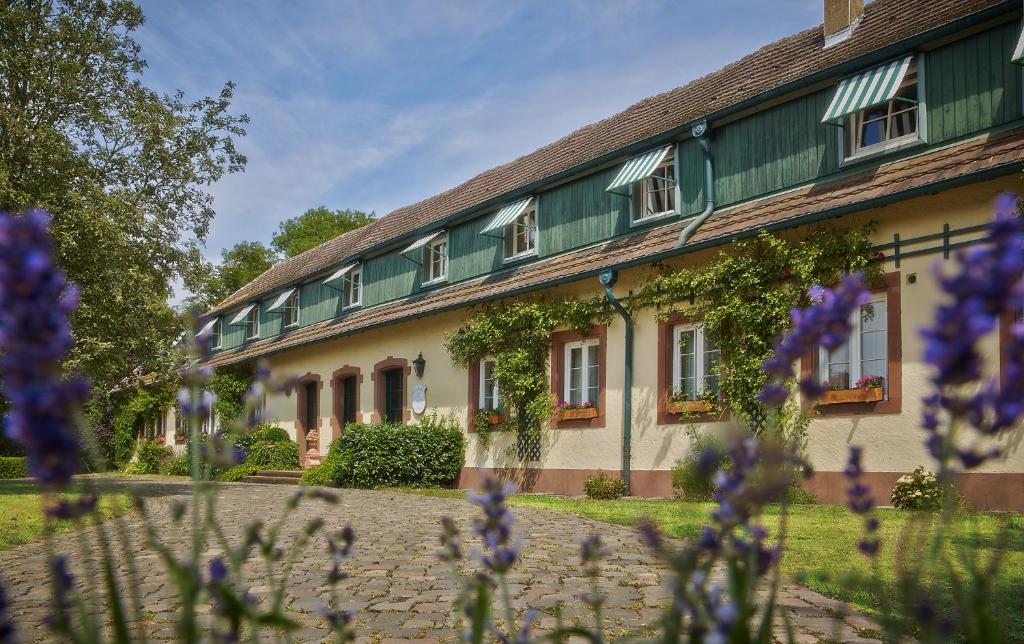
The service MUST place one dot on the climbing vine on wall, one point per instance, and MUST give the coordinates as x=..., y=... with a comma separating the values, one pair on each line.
x=229, y=387
x=143, y=403
x=516, y=335
x=743, y=296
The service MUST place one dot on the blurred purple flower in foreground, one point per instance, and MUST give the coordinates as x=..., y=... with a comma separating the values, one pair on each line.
x=35, y=301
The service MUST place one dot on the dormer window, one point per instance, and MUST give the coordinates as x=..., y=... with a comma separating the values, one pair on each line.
x=252, y=321
x=878, y=109
x=291, y=309
x=354, y=287
x=435, y=259
x=651, y=182
x=216, y=334
x=521, y=235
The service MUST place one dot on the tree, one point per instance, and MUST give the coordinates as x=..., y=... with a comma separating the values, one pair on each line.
x=240, y=264
x=123, y=171
x=315, y=226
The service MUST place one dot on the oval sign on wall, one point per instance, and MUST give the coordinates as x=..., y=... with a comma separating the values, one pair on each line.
x=419, y=398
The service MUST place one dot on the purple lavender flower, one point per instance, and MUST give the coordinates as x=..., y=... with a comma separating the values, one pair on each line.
x=62, y=583
x=72, y=509
x=339, y=546
x=495, y=528
x=826, y=322
x=35, y=302
x=451, y=543
x=6, y=623
x=861, y=502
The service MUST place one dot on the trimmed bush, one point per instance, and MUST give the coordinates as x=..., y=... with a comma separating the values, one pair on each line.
x=798, y=495
x=234, y=474
x=919, y=490
x=274, y=456
x=264, y=433
x=691, y=475
x=13, y=467
x=177, y=466
x=321, y=474
x=604, y=487
x=149, y=456
x=430, y=454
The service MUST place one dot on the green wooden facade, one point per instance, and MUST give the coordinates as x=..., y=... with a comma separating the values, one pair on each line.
x=968, y=86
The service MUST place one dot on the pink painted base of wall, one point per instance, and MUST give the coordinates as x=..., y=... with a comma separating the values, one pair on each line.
x=984, y=491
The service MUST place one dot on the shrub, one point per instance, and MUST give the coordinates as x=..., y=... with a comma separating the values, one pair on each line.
x=149, y=456
x=321, y=474
x=800, y=496
x=919, y=490
x=605, y=487
x=13, y=467
x=177, y=466
x=691, y=475
x=274, y=456
x=263, y=433
x=234, y=474
x=430, y=454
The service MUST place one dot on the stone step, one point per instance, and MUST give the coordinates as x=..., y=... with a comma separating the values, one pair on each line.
x=278, y=480
x=284, y=474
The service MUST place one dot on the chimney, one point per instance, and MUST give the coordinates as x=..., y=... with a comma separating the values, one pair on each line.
x=841, y=18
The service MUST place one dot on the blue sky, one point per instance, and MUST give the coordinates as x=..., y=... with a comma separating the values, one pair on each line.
x=375, y=105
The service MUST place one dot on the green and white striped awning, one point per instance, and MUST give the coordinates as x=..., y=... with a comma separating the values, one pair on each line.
x=422, y=241
x=1018, y=52
x=507, y=215
x=281, y=299
x=867, y=89
x=340, y=273
x=639, y=168
x=242, y=314
x=206, y=327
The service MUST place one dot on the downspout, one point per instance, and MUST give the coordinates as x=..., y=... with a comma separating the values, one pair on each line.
x=607, y=278
x=702, y=132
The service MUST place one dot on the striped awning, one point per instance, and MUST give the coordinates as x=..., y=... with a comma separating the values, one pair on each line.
x=507, y=215
x=639, y=168
x=206, y=328
x=340, y=273
x=242, y=314
x=281, y=299
x=867, y=89
x=422, y=241
x=1018, y=52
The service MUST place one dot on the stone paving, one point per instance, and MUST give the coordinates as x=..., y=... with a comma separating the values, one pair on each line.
x=398, y=589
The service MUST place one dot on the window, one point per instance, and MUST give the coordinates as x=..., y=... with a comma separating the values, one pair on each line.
x=216, y=335
x=252, y=320
x=886, y=124
x=394, y=396
x=582, y=369
x=291, y=309
x=435, y=259
x=490, y=397
x=354, y=287
x=655, y=196
x=696, y=357
x=521, y=235
x=311, y=418
x=865, y=354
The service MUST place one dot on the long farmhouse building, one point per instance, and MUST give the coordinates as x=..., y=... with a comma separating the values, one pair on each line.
x=907, y=113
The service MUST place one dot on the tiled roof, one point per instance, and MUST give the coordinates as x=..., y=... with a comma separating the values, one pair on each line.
x=885, y=23
x=995, y=153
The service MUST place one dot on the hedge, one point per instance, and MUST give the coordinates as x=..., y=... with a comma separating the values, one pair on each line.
x=429, y=454
x=274, y=455
x=149, y=457
x=13, y=467
x=234, y=474
x=261, y=433
x=177, y=466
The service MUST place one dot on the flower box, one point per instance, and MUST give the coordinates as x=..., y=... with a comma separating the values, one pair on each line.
x=576, y=414
x=689, y=406
x=180, y=439
x=495, y=419
x=873, y=394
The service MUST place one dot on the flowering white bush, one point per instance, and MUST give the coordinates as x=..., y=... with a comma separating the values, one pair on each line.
x=919, y=490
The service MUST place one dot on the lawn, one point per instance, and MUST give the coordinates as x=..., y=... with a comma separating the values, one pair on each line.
x=21, y=515
x=821, y=551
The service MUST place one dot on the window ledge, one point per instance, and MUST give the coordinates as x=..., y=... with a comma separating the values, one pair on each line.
x=435, y=281
x=521, y=257
x=293, y=325
x=661, y=216
x=351, y=306
x=880, y=149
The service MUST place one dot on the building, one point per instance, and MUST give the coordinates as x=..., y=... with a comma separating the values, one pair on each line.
x=904, y=112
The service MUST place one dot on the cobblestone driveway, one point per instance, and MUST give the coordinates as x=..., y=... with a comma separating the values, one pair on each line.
x=397, y=588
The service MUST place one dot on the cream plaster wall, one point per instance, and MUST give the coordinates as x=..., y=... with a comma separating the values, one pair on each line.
x=893, y=442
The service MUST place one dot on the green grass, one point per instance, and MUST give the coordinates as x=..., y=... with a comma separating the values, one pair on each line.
x=821, y=549
x=21, y=514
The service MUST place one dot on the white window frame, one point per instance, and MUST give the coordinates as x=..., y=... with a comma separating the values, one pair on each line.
x=583, y=345
x=700, y=367
x=354, y=284
x=527, y=220
x=495, y=389
x=855, y=346
x=217, y=334
x=436, y=248
x=291, y=310
x=853, y=123
x=641, y=189
x=252, y=323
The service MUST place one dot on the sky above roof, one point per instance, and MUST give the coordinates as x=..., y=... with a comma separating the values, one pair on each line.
x=373, y=106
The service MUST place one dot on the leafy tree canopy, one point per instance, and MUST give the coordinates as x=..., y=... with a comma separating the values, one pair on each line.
x=122, y=169
x=315, y=226
x=240, y=264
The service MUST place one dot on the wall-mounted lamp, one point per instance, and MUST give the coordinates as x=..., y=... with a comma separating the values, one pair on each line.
x=418, y=365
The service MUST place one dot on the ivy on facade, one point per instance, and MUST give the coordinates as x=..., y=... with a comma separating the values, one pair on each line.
x=142, y=404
